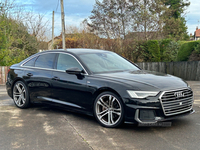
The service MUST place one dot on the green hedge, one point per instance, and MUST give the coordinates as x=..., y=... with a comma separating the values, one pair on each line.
x=163, y=46
x=154, y=50
x=165, y=50
x=186, y=50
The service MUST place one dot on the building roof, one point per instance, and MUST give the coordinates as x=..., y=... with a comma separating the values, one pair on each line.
x=141, y=35
x=197, y=33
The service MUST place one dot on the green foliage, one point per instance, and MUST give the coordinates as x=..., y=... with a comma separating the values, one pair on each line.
x=16, y=43
x=171, y=51
x=175, y=29
x=163, y=44
x=186, y=50
x=175, y=25
x=177, y=7
x=140, y=52
x=153, y=49
x=197, y=48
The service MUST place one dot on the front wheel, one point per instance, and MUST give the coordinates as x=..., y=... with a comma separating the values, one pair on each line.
x=21, y=95
x=109, y=110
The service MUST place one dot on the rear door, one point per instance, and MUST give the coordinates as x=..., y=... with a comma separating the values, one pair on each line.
x=38, y=75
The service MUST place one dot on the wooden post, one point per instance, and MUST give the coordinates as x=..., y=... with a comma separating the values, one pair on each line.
x=52, y=30
x=63, y=24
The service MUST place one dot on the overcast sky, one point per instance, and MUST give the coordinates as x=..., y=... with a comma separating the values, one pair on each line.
x=77, y=10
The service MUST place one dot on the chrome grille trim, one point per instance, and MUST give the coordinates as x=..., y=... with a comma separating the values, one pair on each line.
x=173, y=105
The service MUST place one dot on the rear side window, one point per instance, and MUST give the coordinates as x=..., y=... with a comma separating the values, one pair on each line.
x=31, y=62
x=45, y=61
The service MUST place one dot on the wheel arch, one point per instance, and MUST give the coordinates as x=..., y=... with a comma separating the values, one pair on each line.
x=105, y=89
x=122, y=117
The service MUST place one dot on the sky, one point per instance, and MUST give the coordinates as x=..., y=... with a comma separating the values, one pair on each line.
x=78, y=10
x=193, y=16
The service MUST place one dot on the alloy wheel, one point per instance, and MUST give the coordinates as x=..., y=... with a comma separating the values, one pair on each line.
x=19, y=94
x=108, y=110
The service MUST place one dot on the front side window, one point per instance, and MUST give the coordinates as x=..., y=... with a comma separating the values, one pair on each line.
x=66, y=61
x=45, y=61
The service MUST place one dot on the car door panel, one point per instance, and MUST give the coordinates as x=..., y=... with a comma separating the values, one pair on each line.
x=39, y=82
x=69, y=88
x=38, y=75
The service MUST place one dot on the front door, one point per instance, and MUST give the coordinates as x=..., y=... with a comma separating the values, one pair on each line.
x=69, y=89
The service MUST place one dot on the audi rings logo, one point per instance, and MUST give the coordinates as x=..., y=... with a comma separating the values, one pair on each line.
x=179, y=94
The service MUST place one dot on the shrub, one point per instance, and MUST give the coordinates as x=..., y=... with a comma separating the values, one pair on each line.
x=163, y=45
x=171, y=51
x=186, y=50
x=154, y=49
x=197, y=48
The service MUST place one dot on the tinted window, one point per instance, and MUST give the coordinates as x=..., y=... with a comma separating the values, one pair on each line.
x=106, y=62
x=30, y=62
x=45, y=61
x=66, y=61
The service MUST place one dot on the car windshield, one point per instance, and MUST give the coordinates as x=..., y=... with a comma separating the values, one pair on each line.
x=106, y=62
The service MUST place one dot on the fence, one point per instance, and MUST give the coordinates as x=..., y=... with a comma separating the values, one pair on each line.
x=3, y=74
x=188, y=70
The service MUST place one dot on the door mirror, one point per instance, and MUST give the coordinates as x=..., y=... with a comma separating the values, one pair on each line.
x=75, y=71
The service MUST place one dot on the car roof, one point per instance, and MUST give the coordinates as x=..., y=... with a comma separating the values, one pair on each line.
x=77, y=51
x=74, y=51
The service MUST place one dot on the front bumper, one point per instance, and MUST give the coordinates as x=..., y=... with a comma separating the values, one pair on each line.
x=158, y=118
x=148, y=111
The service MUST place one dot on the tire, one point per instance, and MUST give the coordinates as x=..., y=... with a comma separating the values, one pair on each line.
x=109, y=110
x=21, y=95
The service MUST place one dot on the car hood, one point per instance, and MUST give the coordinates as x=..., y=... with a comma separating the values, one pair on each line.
x=151, y=79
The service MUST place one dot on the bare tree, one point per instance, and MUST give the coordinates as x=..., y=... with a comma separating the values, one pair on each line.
x=6, y=6
x=37, y=25
x=148, y=20
x=110, y=18
x=117, y=18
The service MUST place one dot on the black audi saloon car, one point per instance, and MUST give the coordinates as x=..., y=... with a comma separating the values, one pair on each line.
x=99, y=83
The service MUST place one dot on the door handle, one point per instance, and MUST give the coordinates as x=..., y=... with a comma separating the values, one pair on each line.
x=55, y=78
x=29, y=74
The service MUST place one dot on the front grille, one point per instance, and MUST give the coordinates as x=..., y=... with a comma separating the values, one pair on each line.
x=177, y=101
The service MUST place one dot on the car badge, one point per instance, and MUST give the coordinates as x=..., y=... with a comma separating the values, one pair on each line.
x=179, y=94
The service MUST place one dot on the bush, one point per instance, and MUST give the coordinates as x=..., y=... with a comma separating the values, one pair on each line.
x=154, y=49
x=171, y=51
x=186, y=50
x=16, y=42
x=197, y=48
x=140, y=52
x=163, y=45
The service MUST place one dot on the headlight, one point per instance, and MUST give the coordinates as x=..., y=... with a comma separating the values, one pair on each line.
x=141, y=94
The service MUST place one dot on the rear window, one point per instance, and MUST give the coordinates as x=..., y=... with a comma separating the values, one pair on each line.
x=31, y=62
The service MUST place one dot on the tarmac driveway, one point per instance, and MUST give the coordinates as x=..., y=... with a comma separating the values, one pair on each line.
x=46, y=128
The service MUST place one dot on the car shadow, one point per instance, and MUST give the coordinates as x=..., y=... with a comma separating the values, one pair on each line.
x=177, y=123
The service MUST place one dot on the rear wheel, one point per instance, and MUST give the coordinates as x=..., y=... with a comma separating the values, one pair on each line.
x=108, y=110
x=21, y=95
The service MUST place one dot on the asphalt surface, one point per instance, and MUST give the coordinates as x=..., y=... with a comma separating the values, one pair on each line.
x=47, y=128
